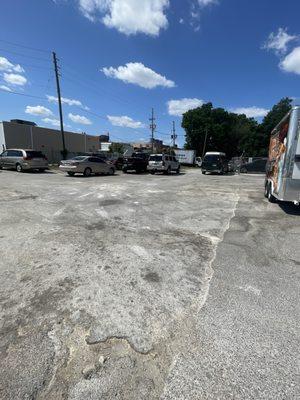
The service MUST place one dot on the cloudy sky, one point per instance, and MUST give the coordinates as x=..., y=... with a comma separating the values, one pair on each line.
x=120, y=58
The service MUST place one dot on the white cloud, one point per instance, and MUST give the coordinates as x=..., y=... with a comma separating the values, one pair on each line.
x=15, y=79
x=291, y=63
x=136, y=73
x=251, y=112
x=51, y=121
x=65, y=100
x=204, y=3
x=79, y=119
x=128, y=16
x=38, y=110
x=279, y=41
x=124, y=121
x=6, y=88
x=7, y=66
x=179, y=107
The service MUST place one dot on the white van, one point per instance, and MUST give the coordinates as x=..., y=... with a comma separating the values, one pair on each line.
x=163, y=163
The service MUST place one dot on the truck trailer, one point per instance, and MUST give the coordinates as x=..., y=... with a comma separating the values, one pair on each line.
x=185, y=156
x=282, y=181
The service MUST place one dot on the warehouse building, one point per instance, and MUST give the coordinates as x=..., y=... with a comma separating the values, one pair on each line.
x=27, y=135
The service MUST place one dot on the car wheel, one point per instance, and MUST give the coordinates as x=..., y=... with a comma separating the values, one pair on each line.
x=41, y=170
x=87, y=172
x=203, y=172
x=168, y=171
x=70, y=173
x=243, y=170
x=152, y=172
x=125, y=171
x=1, y=167
x=270, y=196
x=19, y=168
x=178, y=170
x=111, y=171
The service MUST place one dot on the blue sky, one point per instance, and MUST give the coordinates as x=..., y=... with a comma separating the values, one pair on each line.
x=119, y=58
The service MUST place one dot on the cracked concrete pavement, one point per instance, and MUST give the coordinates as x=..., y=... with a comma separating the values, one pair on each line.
x=147, y=287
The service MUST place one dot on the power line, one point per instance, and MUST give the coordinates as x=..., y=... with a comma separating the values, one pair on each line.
x=24, y=55
x=22, y=94
x=25, y=47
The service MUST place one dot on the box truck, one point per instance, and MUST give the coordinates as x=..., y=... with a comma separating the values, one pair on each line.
x=185, y=156
x=282, y=181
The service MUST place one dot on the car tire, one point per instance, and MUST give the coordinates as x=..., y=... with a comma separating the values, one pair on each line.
x=243, y=170
x=270, y=196
x=42, y=170
x=19, y=168
x=111, y=171
x=178, y=170
x=125, y=171
x=203, y=172
x=87, y=172
x=70, y=173
x=1, y=167
x=152, y=172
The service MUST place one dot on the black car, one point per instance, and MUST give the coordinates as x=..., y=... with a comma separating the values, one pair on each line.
x=215, y=162
x=118, y=162
x=258, y=165
x=137, y=162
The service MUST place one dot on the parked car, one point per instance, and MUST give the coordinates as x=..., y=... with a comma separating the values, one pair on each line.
x=118, y=162
x=22, y=159
x=86, y=165
x=215, y=162
x=163, y=163
x=136, y=162
x=254, y=166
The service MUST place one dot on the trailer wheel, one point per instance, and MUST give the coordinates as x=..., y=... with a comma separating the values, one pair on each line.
x=266, y=190
x=270, y=196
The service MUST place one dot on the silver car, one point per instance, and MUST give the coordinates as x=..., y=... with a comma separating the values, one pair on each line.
x=22, y=159
x=163, y=163
x=87, y=165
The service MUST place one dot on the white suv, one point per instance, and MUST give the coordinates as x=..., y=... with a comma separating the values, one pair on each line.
x=163, y=163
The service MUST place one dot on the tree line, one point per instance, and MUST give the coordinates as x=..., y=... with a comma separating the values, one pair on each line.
x=234, y=134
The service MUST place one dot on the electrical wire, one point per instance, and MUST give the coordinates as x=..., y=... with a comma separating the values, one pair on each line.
x=24, y=55
x=25, y=47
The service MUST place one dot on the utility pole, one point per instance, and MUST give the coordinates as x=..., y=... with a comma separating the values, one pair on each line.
x=152, y=128
x=204, y=146
x=64, y=152
x=174, y=136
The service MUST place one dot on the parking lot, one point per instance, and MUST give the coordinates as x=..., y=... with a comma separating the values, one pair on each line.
x=136, y=286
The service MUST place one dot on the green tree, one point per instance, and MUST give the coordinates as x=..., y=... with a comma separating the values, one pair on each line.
x=229, y=132
x=223, y=130
x=272, y=119
x=116, y=148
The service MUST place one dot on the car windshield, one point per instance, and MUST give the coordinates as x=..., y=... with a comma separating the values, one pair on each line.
x=35, y=154
x=212, y=158
x=155, y=158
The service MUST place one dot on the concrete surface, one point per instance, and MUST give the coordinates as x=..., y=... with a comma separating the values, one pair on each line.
x=147, y=287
